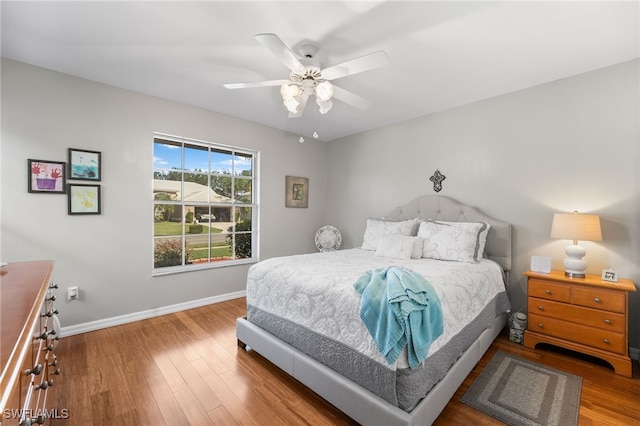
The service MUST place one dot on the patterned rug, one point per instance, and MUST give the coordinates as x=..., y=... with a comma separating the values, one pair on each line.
x=520, y=392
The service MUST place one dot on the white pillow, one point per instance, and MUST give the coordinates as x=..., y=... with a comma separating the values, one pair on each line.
x=400, y=246
x=457, y=241
x=377, y=229
x=482, y=235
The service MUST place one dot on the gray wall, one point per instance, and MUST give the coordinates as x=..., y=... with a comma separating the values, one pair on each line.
x=110, y=256
x=568, y=145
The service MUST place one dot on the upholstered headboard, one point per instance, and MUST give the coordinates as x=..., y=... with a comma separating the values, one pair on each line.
x=439, y=207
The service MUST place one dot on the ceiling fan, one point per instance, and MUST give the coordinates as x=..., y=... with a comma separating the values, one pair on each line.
x=306, y=78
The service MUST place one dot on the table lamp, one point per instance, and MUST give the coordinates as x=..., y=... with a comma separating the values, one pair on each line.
x=575, y=226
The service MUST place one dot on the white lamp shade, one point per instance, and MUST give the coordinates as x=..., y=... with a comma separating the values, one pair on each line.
x=576, y=226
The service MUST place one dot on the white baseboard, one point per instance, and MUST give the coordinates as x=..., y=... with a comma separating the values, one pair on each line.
x=634, y=353
x=150, y=313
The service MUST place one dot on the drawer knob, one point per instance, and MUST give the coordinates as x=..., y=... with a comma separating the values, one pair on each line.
x=597, y=300
x=540, y=308
x=607, y=321
x=540, y=325
x=46, y=334
x=45, y=384
x=33, y=420
x=606, y=341
x=35, y=370
x=51, y=313
x=548, y=291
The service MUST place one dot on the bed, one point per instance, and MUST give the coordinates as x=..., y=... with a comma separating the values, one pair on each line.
x=303, y=312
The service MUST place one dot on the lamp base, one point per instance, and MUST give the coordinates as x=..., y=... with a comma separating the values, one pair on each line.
x=574, y=265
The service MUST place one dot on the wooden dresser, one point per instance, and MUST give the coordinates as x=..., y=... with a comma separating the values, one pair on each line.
x=586, y=315
x=28, y=340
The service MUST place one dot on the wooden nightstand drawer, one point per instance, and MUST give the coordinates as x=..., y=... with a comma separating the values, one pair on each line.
x=591, y=317
x=599, y=299
x=587, y=315
x=573, y=332
x=549, y=290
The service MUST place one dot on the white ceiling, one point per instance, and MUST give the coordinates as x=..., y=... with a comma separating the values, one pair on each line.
x=443, y=54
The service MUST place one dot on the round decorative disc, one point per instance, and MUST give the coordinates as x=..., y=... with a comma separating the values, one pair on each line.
x=328, y=238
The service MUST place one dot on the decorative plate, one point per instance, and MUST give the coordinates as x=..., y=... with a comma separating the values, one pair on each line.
x=328, y=238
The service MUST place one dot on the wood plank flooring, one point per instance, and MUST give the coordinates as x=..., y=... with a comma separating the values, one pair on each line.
x=186, y=369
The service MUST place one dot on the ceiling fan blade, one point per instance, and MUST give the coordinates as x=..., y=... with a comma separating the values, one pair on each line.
x=300, y=110
x=266, y=83
x=281, y=51
x=350, y=98
x=364, y=63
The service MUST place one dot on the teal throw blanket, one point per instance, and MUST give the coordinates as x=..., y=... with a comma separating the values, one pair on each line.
x=399, y=307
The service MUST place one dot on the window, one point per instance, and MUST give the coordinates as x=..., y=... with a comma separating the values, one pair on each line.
x=204, y=205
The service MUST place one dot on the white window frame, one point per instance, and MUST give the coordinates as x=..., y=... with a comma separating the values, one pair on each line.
x=254, y=205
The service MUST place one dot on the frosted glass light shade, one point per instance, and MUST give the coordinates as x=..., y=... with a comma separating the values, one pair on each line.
x=324, y=91
x=575, y=226
x=289, y=91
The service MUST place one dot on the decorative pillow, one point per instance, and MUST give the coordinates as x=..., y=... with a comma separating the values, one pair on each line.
x=482, y=235
x=377, y=228
x=457, y=241
x=416, y=253
x=400, y=246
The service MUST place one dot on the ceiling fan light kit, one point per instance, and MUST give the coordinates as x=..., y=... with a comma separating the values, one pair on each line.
x=311, y=80
x=292, y=94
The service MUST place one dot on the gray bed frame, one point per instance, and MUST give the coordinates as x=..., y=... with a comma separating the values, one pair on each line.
x=352, y=399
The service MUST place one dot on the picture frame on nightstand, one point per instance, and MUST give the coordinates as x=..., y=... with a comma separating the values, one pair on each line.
x=610, y=275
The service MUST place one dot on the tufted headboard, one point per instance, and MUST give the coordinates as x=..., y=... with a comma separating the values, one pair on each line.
x=439, y=207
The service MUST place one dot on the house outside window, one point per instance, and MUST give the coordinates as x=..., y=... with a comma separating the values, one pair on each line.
x=204, y=205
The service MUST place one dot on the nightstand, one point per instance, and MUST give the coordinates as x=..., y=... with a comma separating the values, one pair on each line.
x=586, y=315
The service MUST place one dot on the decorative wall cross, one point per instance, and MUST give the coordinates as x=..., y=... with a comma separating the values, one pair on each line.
x=437, y=179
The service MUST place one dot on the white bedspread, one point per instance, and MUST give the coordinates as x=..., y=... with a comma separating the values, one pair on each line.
x=316, y=291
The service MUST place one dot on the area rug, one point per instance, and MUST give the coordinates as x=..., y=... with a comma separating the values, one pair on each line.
x=523, y=393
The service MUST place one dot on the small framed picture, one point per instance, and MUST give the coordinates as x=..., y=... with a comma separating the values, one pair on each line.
x=83, y=198
x=46, y=176
x=297, y=192
x=610, y=275
x=85, y=165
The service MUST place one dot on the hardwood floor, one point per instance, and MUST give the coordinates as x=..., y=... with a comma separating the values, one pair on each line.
x=186, y=369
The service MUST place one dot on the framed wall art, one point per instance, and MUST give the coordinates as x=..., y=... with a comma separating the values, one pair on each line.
x=46, y=176
x=83, y=198
x=85, y=165
x=296, y=191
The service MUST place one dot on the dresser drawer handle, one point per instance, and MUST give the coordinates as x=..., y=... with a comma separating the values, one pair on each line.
x=44, y=385
x=35, y=370
x=548, y=291
x=597, y=300
x=33, y=420
x=606, y=341
x=607, y=321
x=540, y=325
x=540, y=308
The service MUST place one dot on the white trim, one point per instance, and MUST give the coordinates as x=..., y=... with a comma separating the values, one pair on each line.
x=149, y=313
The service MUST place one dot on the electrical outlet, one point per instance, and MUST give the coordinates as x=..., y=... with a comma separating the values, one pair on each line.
x=73, y=293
